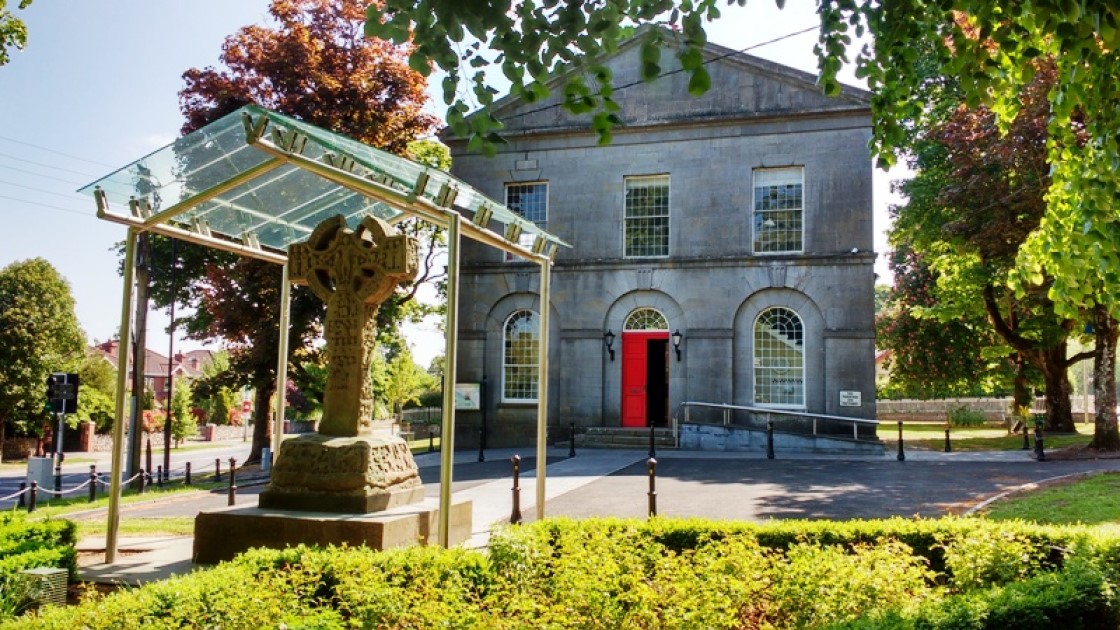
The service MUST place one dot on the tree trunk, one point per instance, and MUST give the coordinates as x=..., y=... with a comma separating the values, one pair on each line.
x=143, y=291
x=1059, y=406
x=1021, y=396
x=264, y=387
x=1106, y=436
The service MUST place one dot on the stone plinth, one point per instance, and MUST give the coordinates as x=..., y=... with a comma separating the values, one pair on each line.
x=352, y=475
x=222, y=534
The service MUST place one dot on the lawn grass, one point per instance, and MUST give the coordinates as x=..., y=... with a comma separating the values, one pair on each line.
x=1093, y=500
x=55, y=508
x=163, y=526
x=931, y=436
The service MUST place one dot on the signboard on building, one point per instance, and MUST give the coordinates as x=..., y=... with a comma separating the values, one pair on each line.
x=851, y=399
x=468, y=396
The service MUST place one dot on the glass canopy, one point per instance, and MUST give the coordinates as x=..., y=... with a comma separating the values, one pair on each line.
x=256, y=181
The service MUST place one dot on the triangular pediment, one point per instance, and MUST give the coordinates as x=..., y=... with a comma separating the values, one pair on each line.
x=743, y=87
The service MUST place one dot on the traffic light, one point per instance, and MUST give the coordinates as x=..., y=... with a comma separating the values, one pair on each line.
x=52, y=391
x=62, y=392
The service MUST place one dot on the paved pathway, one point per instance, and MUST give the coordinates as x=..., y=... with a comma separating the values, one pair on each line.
x=689, y=483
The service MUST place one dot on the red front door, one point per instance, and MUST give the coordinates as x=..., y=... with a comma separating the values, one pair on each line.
x=636, y=386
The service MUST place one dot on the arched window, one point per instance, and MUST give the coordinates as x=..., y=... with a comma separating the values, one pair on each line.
x=520, y=351
x=646, y=319
x=779, y=359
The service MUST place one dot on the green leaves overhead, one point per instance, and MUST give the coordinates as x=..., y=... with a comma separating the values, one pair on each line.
x=533, y=41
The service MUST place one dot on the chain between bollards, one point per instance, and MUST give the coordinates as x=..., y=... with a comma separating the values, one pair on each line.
x=652, y=463
x=92, y=483
x=948, y=446
x=232, y=481
x=571, y=439
x=22, y=495
x=769, y=439
x=515, y=516
x=901, y=453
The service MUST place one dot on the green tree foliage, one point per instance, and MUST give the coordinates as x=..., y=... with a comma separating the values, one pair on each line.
x=977, y=195
x=13, y=32
x=932, y=358
x=39, y=334
x=404, y=382
x=183, y=422
x=315, y=65
x=97, y=392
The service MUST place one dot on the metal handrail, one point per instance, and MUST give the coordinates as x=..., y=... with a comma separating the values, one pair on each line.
x=768, y=412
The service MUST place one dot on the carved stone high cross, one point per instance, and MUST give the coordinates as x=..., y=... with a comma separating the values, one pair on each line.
x=353, y=271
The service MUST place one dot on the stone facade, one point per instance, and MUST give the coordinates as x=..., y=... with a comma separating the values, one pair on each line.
x=712, y=281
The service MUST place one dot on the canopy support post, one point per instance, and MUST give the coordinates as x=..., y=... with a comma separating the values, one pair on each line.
x=447, y=430
x=282, y=363
x=542, y=386
x=123, y=346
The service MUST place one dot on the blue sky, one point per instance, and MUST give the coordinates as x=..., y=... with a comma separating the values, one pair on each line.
x=97, y=88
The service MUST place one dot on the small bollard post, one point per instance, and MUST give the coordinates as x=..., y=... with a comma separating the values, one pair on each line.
x=515, y=516
x=33, y=496
x=431, y=439
x=148, y=455
x=948, y=446
x=652, y=450
x=22, y=495
x=571, y=439
x=652, y=463
x=159, y=476
x=1039, y=452
x=769, y=439
x=481, y=444
x=217, y=470
x=143, y=480
x=1026, y=438
x=232, y=480
x=58, y=474
x=187, y=480
x=92, y=483
x=901, y=453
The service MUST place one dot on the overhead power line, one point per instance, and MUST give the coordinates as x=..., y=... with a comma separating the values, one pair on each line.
x=42, y=148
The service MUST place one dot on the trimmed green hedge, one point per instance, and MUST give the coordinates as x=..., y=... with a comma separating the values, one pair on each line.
x=661, y=573
x=28, y=544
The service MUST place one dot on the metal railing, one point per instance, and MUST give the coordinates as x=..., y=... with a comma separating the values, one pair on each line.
x=785, y=421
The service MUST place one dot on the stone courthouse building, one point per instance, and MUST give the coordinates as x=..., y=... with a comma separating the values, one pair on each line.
x=721, y=253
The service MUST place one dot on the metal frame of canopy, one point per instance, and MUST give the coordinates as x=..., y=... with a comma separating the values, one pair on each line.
x=254, y=182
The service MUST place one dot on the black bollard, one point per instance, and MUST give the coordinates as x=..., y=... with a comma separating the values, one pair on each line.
x=652, y=463
x=571, y=439
x=159, y=475
x=431, y=439
x=92, y=483
x=22, y=495
x=143, y=480
x=232, y=481
x=148, y=456
x=33, y=496
x=901, y=454
x=481, y=444
x=948, y=446
x=217, y=470
x=1026, y=438
x=1039, y=452
x=58, y=475
x=515, y=516
x=652, y=450
x=187, y=481
x=769, y=439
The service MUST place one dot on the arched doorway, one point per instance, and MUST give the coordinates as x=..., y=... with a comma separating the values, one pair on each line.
x=645, y=369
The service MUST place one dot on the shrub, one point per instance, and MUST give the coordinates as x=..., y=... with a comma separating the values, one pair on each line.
x=657, y=573
x=965, y=417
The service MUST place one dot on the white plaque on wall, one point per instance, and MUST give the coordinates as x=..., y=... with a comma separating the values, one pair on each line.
x=851, y=399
